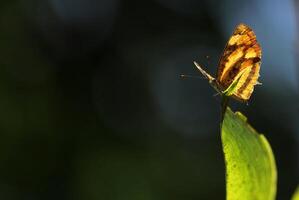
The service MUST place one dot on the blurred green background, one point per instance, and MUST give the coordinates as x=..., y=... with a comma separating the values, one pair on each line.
x=92, y=106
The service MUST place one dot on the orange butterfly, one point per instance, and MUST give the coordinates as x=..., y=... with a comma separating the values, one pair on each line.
x=239, y=66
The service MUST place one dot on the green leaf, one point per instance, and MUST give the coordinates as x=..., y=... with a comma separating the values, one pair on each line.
x=296, y=194
x=250, y=165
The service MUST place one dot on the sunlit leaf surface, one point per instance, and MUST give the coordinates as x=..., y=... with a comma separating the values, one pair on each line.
x=250, y=165
x=296, y=194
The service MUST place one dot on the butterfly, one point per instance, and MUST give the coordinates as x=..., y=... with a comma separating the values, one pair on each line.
x=239, y=65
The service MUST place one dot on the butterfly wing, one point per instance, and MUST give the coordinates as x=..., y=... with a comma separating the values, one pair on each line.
x=242, y=54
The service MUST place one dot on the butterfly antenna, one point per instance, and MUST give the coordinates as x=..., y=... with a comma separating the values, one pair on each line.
x=189, y=76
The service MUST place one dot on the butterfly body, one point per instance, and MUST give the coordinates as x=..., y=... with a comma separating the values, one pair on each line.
x=239, y=66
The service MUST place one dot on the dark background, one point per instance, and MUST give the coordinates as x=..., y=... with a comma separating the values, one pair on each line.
x=92, y=105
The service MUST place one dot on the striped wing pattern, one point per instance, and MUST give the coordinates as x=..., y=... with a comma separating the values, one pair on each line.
x=242, y=54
